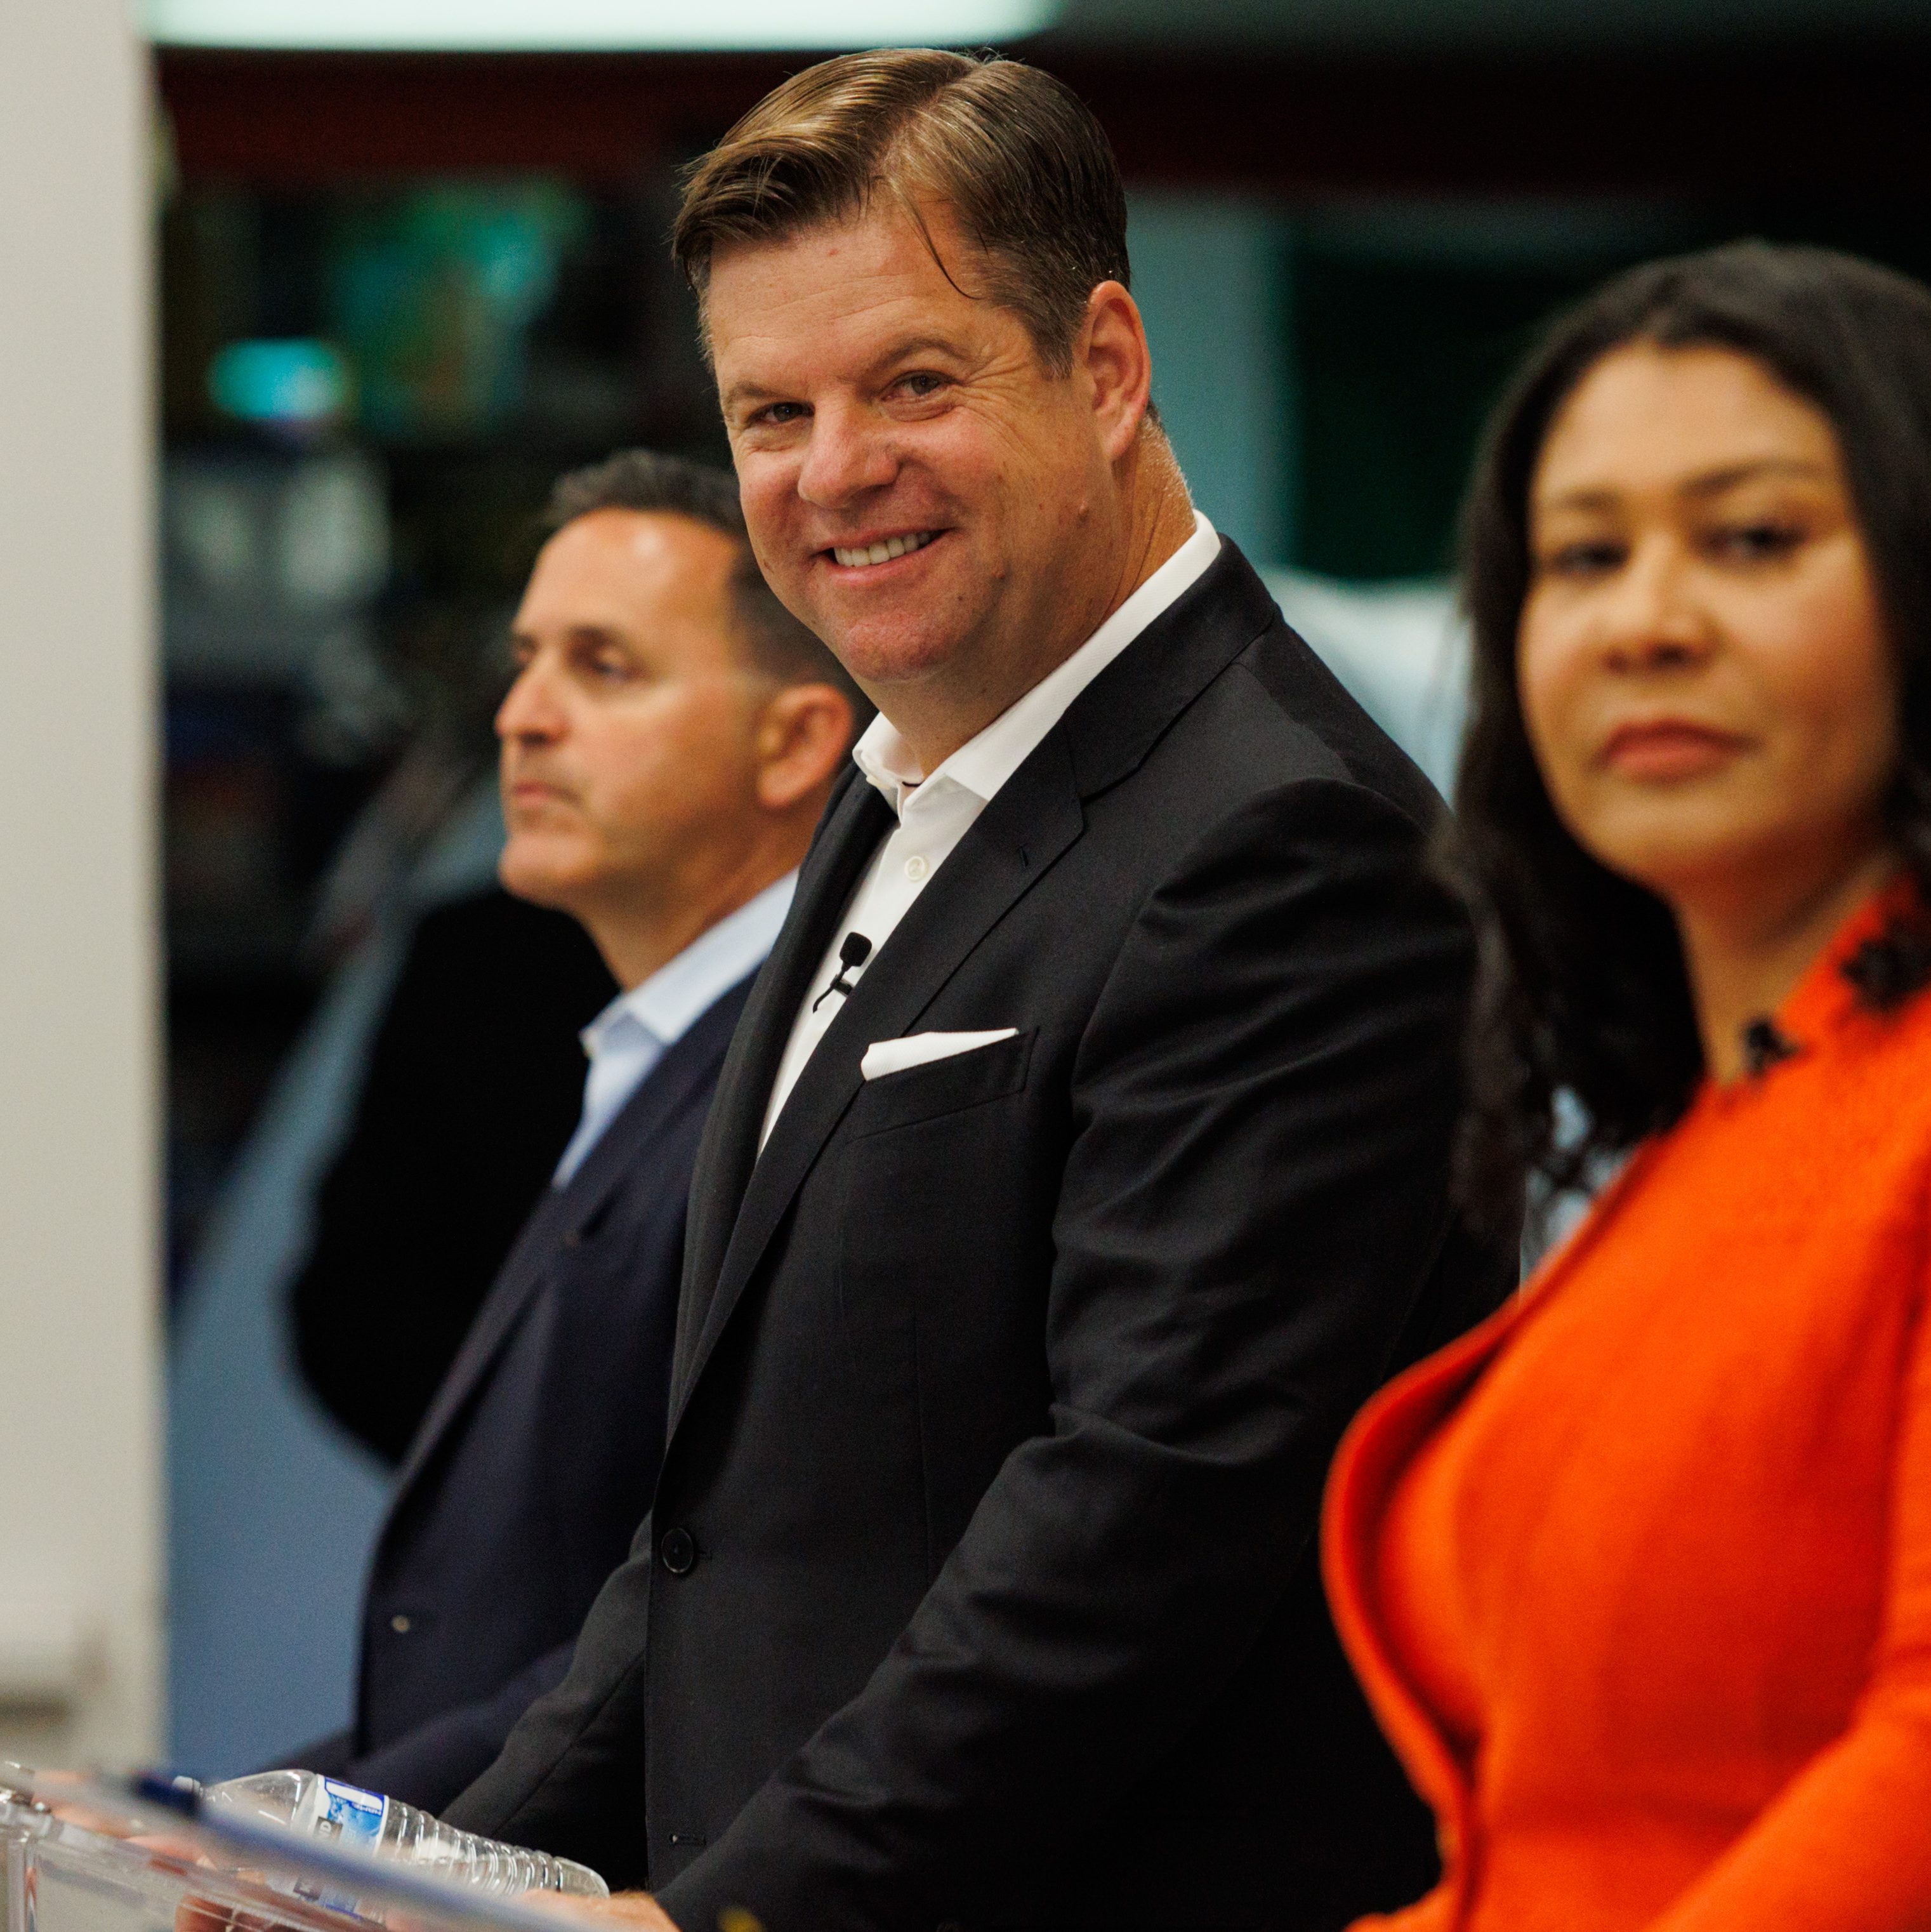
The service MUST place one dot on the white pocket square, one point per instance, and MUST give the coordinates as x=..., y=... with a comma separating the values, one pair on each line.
x=894, y=1056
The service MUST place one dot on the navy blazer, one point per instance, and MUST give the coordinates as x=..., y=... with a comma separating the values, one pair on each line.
x=536, y=1460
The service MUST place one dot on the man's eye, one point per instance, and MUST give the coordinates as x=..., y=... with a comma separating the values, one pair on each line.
x=921, y=383
x=609, y=666
x=774, y=414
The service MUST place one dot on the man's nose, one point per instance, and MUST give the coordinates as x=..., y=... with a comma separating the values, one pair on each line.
x=530, y=709
x=1655, y=621
x=847, y=457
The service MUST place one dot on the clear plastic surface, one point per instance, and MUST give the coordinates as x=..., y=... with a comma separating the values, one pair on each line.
x=111, y=1854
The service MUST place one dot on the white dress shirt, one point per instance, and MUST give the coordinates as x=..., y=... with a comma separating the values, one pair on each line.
x=632, y=1033
x=934, y=813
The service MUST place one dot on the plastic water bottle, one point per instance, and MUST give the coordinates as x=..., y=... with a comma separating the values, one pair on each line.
x=326, y=1808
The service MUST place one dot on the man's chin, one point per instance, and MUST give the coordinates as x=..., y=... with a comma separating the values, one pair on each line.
x=539, y=880
x=881, y=652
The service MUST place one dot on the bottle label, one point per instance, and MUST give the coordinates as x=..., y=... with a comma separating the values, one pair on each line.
x=351, y=1815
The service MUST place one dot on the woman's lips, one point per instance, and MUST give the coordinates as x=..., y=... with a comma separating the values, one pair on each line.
x=1668, y=748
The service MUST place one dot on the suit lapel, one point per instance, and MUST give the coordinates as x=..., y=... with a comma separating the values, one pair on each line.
x=563, y=1213
x=856, y=822
x=1123, y=714
x=1035, y=816
x=740, y=1196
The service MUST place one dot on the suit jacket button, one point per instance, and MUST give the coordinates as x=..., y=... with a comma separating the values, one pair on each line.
x=399, y=1625
x=678, y=1550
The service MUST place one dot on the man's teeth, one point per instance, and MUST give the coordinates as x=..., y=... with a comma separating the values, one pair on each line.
x=883, y=553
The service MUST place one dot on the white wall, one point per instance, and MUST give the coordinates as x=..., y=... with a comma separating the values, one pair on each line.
x=79, y=1493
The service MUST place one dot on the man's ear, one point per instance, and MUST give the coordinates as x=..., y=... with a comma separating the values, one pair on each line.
x=1111, y=350
x=803, y=735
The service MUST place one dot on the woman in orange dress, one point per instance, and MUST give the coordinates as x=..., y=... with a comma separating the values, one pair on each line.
x=1638, y=1575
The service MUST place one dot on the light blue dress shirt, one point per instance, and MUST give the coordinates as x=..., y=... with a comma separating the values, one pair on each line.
x=631, y=1034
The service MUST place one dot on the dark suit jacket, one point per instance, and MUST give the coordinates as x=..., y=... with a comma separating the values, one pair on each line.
x=536, y=1461
x=451, y=1147
x=981, y=1586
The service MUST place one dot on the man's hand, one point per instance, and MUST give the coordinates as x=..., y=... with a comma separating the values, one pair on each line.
x=635, y=1909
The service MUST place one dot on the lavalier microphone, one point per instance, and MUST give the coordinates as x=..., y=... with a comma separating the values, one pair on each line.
x=853, y=951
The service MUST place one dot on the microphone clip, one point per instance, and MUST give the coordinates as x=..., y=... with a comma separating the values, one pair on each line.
x=853, y=951
x=1764, y=1045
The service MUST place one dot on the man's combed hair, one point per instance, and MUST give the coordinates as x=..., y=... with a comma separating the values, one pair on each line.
x=774, y=640
x=1015, y=155
x=643, y=480
x=1583, y=990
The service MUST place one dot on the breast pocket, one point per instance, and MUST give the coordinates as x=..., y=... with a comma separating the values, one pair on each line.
x=923, y=1153
x=948, y=1086
x=949, y=1174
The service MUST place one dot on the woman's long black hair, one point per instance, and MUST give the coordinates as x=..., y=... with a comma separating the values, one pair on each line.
x=1583, y=990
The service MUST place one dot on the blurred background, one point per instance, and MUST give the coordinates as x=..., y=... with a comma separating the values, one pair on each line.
x=408, y=263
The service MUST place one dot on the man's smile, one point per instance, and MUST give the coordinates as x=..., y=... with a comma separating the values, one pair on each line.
x=881, y=549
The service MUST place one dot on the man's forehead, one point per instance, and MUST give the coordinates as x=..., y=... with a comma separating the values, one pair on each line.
x=620, y=536
x=875, y=275
x=597, y=566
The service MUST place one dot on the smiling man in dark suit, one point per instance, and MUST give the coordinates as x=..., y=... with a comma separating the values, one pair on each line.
x=666, y=749
x=1081, y=1161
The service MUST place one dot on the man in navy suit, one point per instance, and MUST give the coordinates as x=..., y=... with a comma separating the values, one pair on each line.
x=668, y=744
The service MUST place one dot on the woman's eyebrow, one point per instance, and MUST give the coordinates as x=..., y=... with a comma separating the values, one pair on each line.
x=1583, y=497
x=1709, y=483
x=1714, y=482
